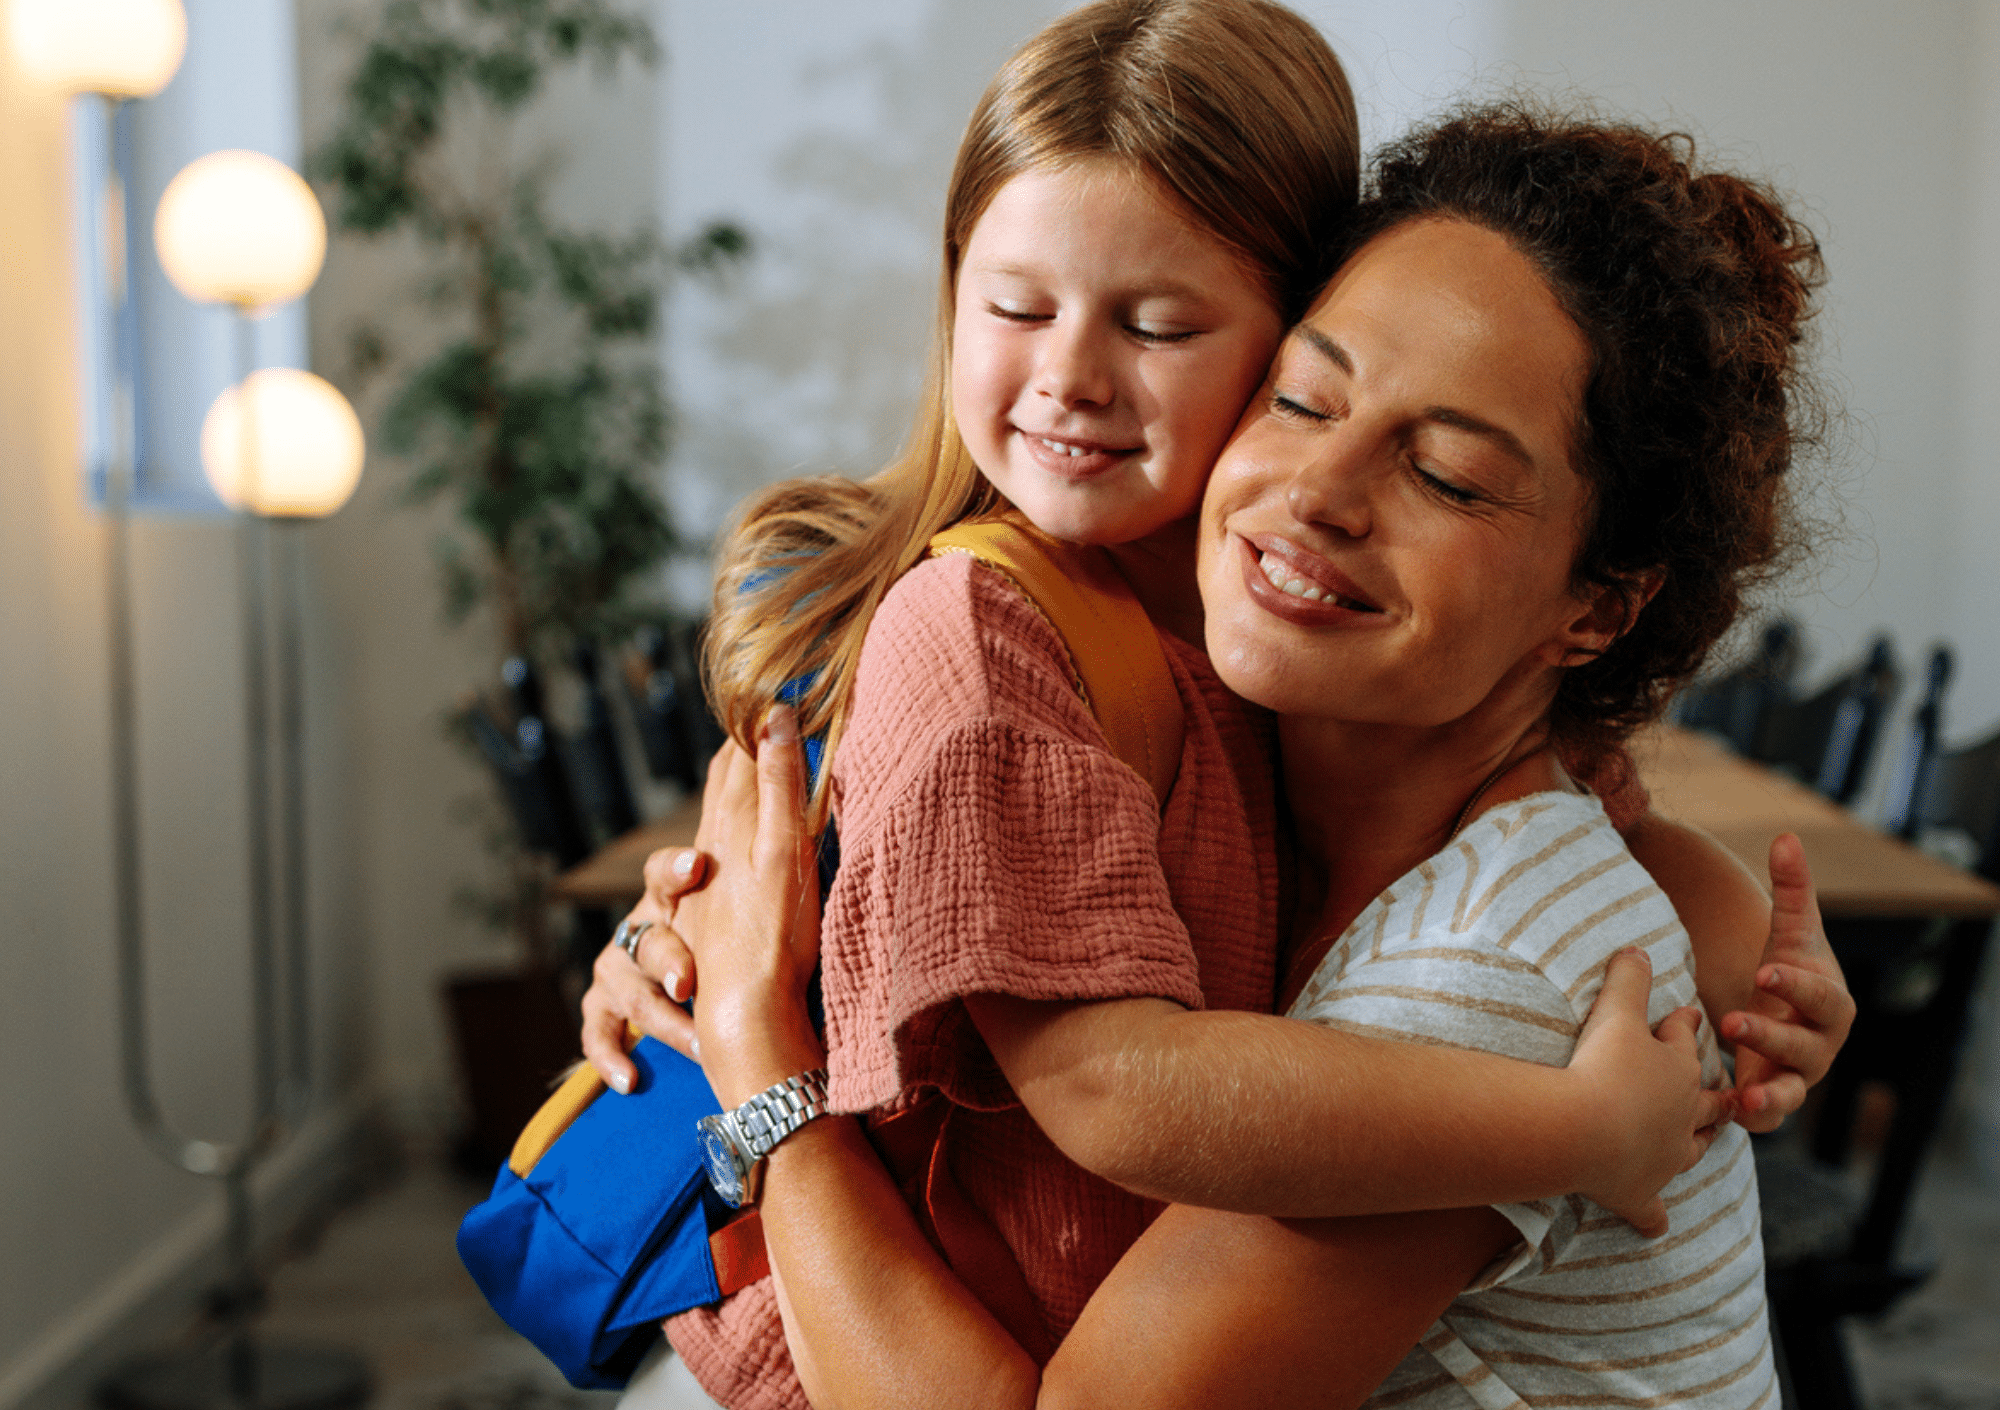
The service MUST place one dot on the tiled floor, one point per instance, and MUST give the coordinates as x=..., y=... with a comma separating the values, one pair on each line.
x=384, y=1280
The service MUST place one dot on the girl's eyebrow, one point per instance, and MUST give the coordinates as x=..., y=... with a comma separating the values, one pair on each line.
x=1164, y=288
x=1502, y=439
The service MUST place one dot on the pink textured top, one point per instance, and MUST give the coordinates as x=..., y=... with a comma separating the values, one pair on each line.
x=990, y=843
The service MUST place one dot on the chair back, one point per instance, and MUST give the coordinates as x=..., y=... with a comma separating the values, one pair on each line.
x=529, y=768
x=1913, y=984
x=603, y=788
x=1734, y=704
x=1901, y=815
x=1827, y=739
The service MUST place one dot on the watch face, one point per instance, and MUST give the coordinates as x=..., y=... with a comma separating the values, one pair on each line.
x=718, y=1152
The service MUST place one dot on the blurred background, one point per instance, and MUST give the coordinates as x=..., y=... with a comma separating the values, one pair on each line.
x=772, y=171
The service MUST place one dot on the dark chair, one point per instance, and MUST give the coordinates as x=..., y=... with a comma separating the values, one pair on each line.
x=533, y=779
x=1834, y=1240
x=528, y=764
x=598, y=763
x=656, y=685
x=1734, y=705
x=1920, y=748
x=1827, y=739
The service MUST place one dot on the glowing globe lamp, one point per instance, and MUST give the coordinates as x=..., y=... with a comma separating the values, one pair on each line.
x=299, y=455
x=240, y=228
x=120, y=48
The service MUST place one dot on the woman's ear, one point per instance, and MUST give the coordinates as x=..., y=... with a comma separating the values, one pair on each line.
x=1605, y=612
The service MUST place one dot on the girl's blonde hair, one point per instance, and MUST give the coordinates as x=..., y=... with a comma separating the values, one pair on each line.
x=1241, y=113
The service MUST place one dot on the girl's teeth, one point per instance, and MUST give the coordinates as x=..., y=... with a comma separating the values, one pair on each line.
x=1061, y=449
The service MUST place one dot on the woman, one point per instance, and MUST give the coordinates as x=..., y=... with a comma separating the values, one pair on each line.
x=1530, y=445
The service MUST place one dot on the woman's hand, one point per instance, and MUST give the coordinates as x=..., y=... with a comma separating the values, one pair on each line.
x=1658, y=1120
x=1788, y=1036
x=752, y=934
x=639, y=993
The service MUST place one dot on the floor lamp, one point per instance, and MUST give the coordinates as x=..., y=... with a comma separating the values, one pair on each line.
x=242, y=229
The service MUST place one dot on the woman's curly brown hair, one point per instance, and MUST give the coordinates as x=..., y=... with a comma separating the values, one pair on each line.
x=1693, y=289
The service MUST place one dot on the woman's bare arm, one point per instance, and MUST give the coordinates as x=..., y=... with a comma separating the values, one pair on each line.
x=1211, y=1310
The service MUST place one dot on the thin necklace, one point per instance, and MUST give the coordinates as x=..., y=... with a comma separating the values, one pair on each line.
x=1465, y=813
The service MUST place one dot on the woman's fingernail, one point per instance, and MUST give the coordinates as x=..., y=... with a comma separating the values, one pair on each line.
x=683, y=867
x=694, y=1047
x=781, y=726
x=621, y=1083
x=671, y=982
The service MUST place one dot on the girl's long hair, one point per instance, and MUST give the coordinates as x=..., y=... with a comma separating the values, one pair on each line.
x=1239, y=111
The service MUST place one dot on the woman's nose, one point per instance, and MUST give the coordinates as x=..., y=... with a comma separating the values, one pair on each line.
x=1335, y=488
x=1074, y=369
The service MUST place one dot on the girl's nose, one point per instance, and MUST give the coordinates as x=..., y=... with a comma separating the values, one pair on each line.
x=1074, y=369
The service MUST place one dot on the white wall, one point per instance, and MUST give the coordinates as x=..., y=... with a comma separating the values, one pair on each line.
x=92, y=1222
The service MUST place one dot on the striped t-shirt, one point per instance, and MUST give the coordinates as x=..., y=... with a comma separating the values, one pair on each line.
x=1499, y=943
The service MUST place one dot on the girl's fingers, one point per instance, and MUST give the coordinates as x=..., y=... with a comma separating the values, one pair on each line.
x=1681, y=1028
x=1628, y=985
x=1715, y=1108
x=604, y=1045
x=1820, y=1001
x=1794, y=904
x=1766, y=1104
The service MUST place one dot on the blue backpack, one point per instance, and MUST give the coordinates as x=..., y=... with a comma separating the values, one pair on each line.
x=602, y=1224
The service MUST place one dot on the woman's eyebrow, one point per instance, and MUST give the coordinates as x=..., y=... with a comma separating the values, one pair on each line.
x=1326, y=347
x=1501, y=438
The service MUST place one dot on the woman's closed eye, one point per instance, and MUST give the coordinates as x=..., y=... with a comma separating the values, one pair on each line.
x=1292, y=408
x=1445, y=489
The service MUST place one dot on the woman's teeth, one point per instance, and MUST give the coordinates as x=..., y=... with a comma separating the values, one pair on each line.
x=1280, y=578
x=1064, y=448
x=1274, y=569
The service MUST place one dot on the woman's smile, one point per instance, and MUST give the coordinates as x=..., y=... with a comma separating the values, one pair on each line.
x=1388, y=536
x=1300, y=586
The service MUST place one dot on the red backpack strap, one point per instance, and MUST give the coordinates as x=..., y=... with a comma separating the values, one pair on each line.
x=1116, y=659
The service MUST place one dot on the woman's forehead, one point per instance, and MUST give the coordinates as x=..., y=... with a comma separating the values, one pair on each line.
x=1453, y=318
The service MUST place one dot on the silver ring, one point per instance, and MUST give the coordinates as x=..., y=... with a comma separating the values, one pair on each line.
x=630, y=931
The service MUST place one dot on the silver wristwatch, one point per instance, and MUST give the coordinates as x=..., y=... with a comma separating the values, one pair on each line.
x=734, y=1143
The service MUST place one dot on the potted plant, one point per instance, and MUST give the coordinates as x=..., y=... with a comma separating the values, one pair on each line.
x=537, y=415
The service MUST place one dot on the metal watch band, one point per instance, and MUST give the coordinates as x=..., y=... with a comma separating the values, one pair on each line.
x=779, y=1110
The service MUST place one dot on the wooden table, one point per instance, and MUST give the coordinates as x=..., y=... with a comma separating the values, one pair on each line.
x=1858, y=870
x=615, y=877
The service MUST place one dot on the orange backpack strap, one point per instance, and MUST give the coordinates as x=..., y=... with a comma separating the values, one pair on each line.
x=1115, y=655
x=565, y=1104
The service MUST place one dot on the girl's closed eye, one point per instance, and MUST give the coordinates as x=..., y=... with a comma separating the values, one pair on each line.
x=1012, y=314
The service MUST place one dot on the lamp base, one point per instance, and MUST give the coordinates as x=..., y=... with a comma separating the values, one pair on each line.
x=254, y=1376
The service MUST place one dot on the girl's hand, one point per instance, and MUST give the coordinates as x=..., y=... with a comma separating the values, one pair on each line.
x=752, y=934
x=1655, y=1117
x=639, y=993
x=1799, y=1017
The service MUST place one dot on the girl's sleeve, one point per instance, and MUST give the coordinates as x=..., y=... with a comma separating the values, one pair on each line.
x=990, y=843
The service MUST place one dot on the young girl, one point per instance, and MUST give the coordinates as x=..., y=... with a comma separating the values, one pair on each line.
x=1138, y=211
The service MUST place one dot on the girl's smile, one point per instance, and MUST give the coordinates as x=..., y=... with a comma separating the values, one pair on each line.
x=1102, y=349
